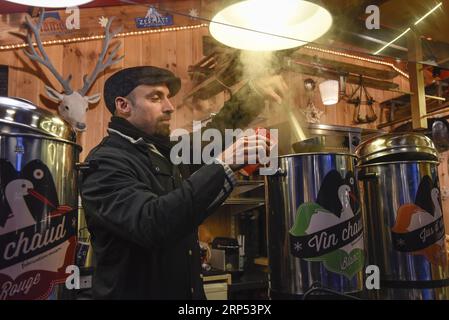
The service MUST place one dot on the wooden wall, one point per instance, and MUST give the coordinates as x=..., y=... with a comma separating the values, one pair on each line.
x=174, y=50
x=342, y=112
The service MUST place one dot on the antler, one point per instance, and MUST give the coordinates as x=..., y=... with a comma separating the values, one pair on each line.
x=44, y=60
x=100, y=66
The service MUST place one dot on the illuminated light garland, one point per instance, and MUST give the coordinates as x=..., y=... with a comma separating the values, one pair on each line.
x=121, y=35
x=203, y=25
x=342, y=54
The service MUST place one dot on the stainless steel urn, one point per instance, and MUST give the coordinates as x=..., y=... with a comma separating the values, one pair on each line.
x=403, y=214
x=38, y=200
x=315, y=227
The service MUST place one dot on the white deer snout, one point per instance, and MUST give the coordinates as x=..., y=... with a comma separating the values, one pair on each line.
x=73, y=107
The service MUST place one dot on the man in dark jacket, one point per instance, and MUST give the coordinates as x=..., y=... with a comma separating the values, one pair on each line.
x=142, y=211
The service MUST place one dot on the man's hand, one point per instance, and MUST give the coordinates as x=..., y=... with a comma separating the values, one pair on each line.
x=249, y=149
x=271, y=87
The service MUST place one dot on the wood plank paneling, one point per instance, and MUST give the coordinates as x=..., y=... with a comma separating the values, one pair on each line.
x=8, y=58
x=184, y=55
x=96, y=113
x=341, y=113
x=89, y=20
x=106, y=74
x=148, y=42
x=133, y=48
x=56, y=56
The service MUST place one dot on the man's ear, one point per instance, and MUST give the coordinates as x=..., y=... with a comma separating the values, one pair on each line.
x=122, y=106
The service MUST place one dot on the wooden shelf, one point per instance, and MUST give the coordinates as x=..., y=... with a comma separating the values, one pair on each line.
x=244, y=186
x=238, y=205
x=404, y=100
x=219, y=277
x=399, y=108
x=434, y=109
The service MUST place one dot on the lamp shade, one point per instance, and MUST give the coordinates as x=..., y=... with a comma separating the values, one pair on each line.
x=264, y=25
x=329, y=92
x=51, y=3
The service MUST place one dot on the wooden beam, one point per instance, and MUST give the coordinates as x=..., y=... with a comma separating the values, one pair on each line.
x=334, y=75
x=225, y=77
x=416, y=72
x=438, y=110
x=343, y=67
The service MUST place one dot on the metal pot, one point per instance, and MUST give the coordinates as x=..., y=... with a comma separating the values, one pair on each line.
x=38, y=200
x=315, y=229
x=402, y=208
x=340, y=136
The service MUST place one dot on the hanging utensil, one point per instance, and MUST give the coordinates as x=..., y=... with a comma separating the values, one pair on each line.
x=371, y=115
x=356, y=99
x=311, y=112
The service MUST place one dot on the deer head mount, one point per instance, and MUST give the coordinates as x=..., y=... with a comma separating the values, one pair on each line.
x=73, y=105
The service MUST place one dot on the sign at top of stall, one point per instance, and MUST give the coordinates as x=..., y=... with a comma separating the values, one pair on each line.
x=153, y=18
x=53, y=23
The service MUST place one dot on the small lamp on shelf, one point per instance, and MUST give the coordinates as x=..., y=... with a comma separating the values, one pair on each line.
x=329, y=90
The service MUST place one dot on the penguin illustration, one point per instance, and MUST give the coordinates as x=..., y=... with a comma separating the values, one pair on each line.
x=336, y=195
x=26, y=197
x=328, y=195
x=411, y=216
x=7, y=174
x=425, y=210
x=333, y=205
x=43, y=199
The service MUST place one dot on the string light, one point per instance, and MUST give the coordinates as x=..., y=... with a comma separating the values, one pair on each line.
x=121, y=35
x=203, y=25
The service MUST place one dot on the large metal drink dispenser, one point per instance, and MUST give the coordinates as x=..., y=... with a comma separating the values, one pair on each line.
x=404, y=219
x=315, y=227
x=38, y=201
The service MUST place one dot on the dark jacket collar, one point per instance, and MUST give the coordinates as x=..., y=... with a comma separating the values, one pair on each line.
x=134, y=135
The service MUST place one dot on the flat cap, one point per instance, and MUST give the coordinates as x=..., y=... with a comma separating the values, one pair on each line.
x=121, y=83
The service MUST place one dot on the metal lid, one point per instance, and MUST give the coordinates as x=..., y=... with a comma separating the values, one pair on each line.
x=21, y=116
x=324, y=143
x=325, y=129
x=396, y=147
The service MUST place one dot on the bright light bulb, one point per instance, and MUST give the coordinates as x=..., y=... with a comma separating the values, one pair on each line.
x=258, y=25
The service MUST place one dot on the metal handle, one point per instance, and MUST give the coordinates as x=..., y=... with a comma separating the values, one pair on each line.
x=280, y=173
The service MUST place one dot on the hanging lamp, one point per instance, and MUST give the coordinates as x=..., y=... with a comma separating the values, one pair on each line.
x=263, y=25
x=51, y=3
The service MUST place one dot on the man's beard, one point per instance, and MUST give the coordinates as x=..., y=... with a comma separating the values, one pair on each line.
x=162, y=128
